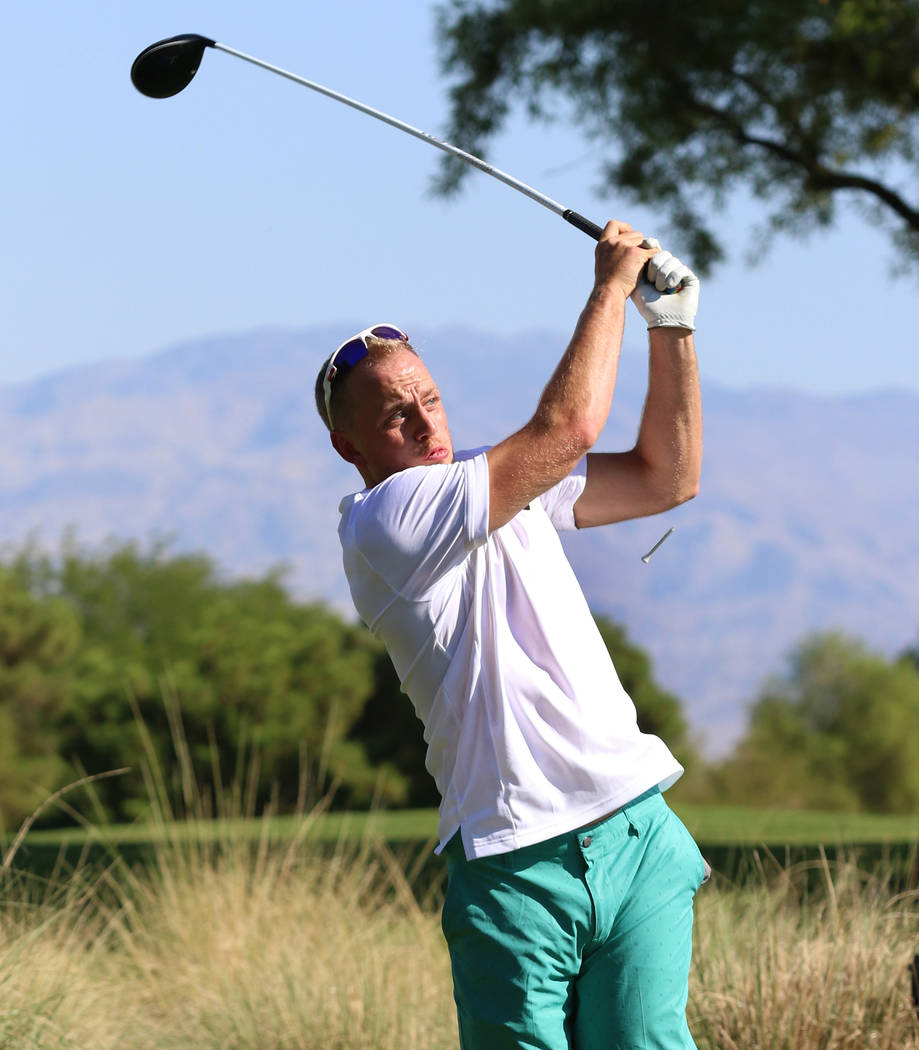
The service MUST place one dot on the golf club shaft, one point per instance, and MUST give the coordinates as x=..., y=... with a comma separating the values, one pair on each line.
x=570, y=216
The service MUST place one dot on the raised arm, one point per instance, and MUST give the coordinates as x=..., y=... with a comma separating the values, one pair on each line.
x=663, y=468
x=575, y=404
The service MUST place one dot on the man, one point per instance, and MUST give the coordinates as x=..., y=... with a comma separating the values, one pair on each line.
x=568, y=912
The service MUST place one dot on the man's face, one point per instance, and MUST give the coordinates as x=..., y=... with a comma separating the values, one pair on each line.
x=395, y=418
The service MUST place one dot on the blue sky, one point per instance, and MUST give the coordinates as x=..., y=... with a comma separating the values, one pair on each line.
x=248, y=202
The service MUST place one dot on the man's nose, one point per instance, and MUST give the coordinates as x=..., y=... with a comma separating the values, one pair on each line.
x=424, y=421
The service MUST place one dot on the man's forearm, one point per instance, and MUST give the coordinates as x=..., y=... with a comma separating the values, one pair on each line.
x=576, y=401
x=580, y=390
x=670, y=435
x=663, y=467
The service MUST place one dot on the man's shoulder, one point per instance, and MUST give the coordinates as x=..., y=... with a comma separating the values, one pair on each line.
x=418, y=524
x=399, y=486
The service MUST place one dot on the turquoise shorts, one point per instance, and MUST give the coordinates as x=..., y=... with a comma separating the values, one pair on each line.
x=582, y=942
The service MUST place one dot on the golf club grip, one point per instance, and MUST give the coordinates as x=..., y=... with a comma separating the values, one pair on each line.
x=595, y=231
x=584, y=225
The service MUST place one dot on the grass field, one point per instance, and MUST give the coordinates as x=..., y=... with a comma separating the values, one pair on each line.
x=309, y=935
x=321, y=932
x=711, y=825
x=739, y=843
x=740, y=826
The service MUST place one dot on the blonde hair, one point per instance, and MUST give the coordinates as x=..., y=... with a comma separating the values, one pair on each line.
x=377, y=349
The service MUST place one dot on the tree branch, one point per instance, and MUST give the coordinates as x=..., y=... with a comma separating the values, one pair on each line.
x=819, y=176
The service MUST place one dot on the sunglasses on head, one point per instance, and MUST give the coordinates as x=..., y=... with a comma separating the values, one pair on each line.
x=350, y=352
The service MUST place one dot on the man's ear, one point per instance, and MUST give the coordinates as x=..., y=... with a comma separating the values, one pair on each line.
x=345, y=447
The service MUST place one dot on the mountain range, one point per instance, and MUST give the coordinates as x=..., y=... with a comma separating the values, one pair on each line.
x=806, y=520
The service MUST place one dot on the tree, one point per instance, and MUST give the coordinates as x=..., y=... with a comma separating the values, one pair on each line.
x=801, y=100
x=911, y=656
x=393, y=737
x=838, y=731
x=38, y=637
x=236, y=672
x=659, y=712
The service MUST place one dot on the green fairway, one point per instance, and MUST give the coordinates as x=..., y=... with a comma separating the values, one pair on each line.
x=711, y=825
x=397, y=826
x=743, y=826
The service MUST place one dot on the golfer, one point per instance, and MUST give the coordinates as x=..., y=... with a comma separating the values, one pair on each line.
x=568, y=912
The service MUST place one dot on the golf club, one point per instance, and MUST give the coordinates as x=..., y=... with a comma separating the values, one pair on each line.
x=163, y=69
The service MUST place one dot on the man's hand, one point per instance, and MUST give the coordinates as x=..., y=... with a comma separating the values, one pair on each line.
x=654, y=295
x=620, y=257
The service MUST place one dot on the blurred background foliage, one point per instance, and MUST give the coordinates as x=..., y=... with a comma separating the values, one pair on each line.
x=804, y=103
x=123, y=656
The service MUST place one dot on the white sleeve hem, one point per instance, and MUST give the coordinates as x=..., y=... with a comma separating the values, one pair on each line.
x=477, y=501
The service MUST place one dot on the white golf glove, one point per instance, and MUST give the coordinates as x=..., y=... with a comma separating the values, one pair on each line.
x=658, y=304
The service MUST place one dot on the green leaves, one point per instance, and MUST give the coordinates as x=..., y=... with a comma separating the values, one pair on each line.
x=838, y=731
x=38, y=637
x=659, y=712
x=125, y=656
x=793, y=99
x=89, y=640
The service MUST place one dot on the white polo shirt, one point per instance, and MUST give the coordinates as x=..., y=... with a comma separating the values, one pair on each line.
x=529, y=732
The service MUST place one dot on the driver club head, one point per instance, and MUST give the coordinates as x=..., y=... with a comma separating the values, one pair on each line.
x=163, y=69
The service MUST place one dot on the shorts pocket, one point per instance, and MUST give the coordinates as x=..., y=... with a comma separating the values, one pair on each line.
x=702, y=867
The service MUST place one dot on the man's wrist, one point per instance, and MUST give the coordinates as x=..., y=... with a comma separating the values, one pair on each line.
x=608, y=295
x=671, y=326
x=671, y=336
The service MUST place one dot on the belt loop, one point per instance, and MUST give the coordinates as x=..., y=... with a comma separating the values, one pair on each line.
x=635, y=826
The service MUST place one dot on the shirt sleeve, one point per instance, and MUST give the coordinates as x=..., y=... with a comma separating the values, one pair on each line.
x=558, y=502
x=422, y=523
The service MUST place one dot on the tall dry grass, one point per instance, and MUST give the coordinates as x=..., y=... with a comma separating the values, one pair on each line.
x=229, y=946
x=221, y=944
x=60, y=985
x=237, y=950
x=814, y=957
